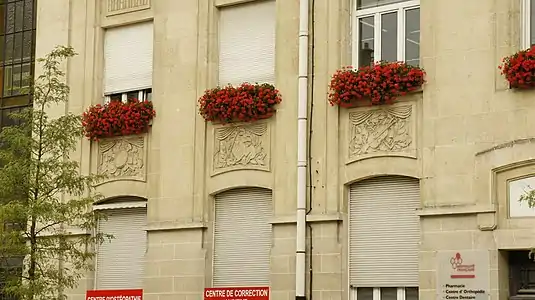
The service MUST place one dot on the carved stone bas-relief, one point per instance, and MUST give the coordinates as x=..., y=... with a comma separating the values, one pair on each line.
x=122, y=158
x=381, y=131
x=115, y=7
x=241, y=147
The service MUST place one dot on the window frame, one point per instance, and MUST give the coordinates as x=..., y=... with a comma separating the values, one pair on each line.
x=401, y=8
x=525, y=24
x=142, y=95
x=401, y=293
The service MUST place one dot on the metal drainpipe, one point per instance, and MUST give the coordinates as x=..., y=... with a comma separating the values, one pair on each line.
x=300, y=267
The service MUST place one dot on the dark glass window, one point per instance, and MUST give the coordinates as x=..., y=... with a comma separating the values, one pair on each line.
x=17, y=61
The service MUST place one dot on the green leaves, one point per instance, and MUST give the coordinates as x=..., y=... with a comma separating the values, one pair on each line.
x=45, y=202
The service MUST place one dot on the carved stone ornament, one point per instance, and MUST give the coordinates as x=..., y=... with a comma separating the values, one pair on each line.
x=115, y=7
x=241, y=147
x=383, y=131
x=122, y=158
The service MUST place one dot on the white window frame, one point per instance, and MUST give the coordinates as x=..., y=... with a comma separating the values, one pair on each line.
x=142, y=95
x=376, y=12
x=525, y=23
x=377, y=294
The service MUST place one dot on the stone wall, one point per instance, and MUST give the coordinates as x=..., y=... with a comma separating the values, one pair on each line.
x=468, y=133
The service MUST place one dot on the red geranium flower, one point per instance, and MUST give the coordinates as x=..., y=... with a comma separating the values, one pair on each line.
x=117, y=119
x=245, y=103
x=519, y=69
x=381, y=83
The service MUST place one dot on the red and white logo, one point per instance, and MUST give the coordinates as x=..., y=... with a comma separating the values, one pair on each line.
x=462, y=270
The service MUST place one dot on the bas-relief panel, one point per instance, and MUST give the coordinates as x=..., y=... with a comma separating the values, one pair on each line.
x=382, y=131
x=241, y=147
x=122, y=158
x=115, y=7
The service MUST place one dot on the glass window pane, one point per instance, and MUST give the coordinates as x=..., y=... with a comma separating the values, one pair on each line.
x=19, y=15
x=411, y=293
x=389, y=37
x=361, y=4
x=532, y=22
x=9, y=48
x=16, y=81
x=132, y=96
x=366, y=40
x=365, y=293
x=10, y=18
x=27, y=45
x=28, y=14
x=17, y=50
x=389, y=294
x=412, y=37
x=2, y=19
x=115, y=98
x=8, y=71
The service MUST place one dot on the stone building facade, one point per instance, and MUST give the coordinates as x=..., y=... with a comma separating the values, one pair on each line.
x=397, y=194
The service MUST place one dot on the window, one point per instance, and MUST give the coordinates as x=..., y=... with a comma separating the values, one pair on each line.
x=387, y=30
x=247, y=43
x=528, y=23
x=17, y=56
x=387, y=293
x=125, y=253
x=125, y=97
x=128, y=54
x=242, y=238
x=380, y=216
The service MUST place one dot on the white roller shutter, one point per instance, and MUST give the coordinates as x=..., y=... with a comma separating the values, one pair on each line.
x=242, y=238
x=121, y=261
x=128, y=58
x=247, y=43
x=384, y=232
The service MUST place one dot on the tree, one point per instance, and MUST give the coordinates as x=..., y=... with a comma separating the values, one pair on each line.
x=43, y=196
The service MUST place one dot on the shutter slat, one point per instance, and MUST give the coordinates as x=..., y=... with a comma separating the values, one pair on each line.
x=384, y=232
x=128, y=52
x=121, y=261
x=247, y=43
x=242, y=238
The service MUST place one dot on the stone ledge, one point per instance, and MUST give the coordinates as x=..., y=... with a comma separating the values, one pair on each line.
x=220, y=3
x=468, y=209
x=69, y=232
x=170, y=226
x=309, y=218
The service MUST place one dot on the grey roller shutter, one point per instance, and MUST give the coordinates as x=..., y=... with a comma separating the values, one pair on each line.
x=242, y=238
x=384, y=232
x=247, y=43
x=121, y=261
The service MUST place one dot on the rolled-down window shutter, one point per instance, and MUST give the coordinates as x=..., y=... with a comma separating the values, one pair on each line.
x=384, y=232
x=247, y=43
x=121, y=261
x=242, y=238
x=128, y=58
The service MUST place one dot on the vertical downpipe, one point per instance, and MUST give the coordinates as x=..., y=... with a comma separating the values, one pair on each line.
x=300, y=267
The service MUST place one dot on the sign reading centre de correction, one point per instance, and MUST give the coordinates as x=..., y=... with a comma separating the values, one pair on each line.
x=237, y=293
x=463, y=275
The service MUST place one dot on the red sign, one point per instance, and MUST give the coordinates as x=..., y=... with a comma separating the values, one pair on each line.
x=114, y=295
x=237, y=293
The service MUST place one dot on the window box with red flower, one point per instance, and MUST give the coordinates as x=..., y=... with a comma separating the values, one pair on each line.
x=244, y=103
x=519, y=69
x=381, y=83
x=117, y=118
